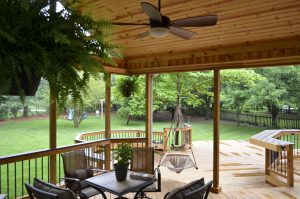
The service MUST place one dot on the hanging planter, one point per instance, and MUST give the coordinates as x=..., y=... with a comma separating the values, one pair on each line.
x=38, y=41
x=24, y=84
x=128, y=86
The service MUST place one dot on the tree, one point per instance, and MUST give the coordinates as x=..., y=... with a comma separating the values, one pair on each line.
x=203, y=86
x=270, y=96
x=281, y=89
x=95, y=92
x=237, y=89
x=167, y=87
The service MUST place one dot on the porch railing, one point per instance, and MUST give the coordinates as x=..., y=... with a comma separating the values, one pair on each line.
x=158, y=138
x=15, y=170
x=281, y=146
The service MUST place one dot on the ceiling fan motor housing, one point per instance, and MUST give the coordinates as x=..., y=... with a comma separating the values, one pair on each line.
x=166, y=22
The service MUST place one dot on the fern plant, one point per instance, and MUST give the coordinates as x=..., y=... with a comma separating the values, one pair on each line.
x=36, y=39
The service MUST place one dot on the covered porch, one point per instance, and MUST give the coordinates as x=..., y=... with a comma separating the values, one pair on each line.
x=248, y=34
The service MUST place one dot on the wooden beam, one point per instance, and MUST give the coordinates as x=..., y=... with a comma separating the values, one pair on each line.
x=149, y=111
x=256, y=54
x=115, y=70
x=52, y=135
x=107, y=119
x=216, y=162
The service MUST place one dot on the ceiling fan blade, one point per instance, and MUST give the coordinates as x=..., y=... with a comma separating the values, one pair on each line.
x=151, y=11
x=145, y=34
x=208, y=20
x=180, y=32
x=130, y=24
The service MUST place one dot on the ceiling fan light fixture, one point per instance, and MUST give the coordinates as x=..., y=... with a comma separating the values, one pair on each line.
x=158, y=32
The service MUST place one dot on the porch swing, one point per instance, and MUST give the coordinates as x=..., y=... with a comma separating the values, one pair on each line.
x=179, y=154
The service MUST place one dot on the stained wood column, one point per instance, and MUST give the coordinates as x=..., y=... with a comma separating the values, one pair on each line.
x=107, y=118
x=149, y=112
x=216, y=163
x=52, y=135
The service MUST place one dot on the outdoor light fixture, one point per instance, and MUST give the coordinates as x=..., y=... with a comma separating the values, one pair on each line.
x=158, y=31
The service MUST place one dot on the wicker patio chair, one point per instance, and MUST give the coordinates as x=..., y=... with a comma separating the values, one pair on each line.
x=76, y=169
x=43, y=190
x=194, y=190
x=143, y=161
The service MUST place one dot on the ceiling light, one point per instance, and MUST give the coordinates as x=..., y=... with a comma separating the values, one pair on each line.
x=158, y=31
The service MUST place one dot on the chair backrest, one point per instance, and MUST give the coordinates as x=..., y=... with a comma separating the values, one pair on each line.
x=74, y=160
x=143, y=160
x=201, y=191
x=43, y=190
x=194, y=190
x=39, y=194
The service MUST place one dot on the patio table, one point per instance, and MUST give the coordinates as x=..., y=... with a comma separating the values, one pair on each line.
x=108, y=182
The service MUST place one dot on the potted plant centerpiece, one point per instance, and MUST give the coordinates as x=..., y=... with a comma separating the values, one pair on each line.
x=123, y=154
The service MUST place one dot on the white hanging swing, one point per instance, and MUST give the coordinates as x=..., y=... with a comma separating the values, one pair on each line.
x=180, y=155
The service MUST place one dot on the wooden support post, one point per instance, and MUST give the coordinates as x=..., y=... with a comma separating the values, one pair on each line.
x=52, y=135
x=216, y=186
x=290, y=166
x=107, y=119
x=149, y=114
x=267, y=161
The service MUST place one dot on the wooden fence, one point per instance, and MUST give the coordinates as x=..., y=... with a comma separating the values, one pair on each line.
x=262, y=119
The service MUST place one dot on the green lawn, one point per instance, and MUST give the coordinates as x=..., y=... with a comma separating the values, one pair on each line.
x=27, y=135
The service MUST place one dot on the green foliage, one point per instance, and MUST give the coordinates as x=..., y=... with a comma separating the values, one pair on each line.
x=53, y=45
x=123, y=154
x=95, y=93
x=237, y=88
x=166, y=90
x=127, y=85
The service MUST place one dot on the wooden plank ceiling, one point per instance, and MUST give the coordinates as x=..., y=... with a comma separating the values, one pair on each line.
x=249, y=33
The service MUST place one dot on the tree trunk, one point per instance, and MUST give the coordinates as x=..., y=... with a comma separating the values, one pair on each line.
x=77, y=118
x=207, y=107
x=274, y=110
x=25, y=111
x=238, y=113
x=128, y=119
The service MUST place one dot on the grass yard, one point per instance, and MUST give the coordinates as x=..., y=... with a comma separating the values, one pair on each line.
x=33, y=134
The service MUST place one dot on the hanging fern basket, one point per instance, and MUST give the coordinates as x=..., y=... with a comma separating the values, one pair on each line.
x=24, y=84
x=128, y=86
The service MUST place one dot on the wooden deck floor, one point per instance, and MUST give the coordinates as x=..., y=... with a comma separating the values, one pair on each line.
x=241, y=173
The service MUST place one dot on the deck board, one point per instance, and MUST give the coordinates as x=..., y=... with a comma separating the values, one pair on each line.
x=241, y=173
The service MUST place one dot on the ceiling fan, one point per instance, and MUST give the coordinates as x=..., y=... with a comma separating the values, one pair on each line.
x=160, y=25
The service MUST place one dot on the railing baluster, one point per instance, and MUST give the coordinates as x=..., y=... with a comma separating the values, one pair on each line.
x=42, y=168
x=59, y=170
x=29, y=170
x=281, y=161
x=7, y=180
x=48, y=172
x=0, y=180
x=15, y=165
x=35, y=162
x=22, y=178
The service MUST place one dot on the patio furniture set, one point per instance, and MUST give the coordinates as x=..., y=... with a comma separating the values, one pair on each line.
x=83, y=181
